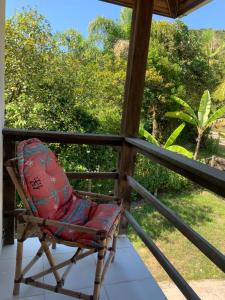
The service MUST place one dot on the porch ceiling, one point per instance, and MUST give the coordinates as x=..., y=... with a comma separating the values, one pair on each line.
x=168, y=8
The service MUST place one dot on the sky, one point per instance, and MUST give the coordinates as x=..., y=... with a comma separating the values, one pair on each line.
x=79, y=13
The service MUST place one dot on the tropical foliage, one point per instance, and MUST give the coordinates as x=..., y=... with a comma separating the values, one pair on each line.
x=202, y=120
x=169, y=144
x=65, y=81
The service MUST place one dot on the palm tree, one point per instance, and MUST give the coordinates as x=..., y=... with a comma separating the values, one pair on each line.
x=169, y=143
x=202, y=120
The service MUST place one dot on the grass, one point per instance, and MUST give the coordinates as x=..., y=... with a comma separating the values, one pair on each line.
x=204, y=212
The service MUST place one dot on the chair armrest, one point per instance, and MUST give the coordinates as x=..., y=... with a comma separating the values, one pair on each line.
x=47, y=222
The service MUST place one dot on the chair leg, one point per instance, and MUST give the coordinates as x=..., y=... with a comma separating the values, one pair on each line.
x=19, y=257
x=99, y=270
x=50, y=260
x=54, y=245
x=114, y=246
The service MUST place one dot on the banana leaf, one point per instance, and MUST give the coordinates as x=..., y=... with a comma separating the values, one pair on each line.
x=187, y=107
x=174, y=135
x=204, y=108
x=180, y=150
x=182, y=116
x=149, y=137
x=216, y=115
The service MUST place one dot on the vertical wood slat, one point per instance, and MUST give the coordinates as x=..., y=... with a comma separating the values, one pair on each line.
x=8, y=194
x=134, y=89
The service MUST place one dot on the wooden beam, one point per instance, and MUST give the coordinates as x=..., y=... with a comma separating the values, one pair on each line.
x=172, y=4
x=206, y=176
x=134, y=89
x=167, y=8
x=125, y=3
x=188, y=6
x=92, y=175
x=63, y=137
x=137, y=61
x=97, y=196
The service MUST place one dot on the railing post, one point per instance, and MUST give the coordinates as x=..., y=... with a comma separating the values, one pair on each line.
x=134, y=89
x=8, y=195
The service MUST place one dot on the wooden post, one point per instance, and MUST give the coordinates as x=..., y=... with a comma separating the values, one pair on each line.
x=8, y=195
x=2, y=68
x=134, y=89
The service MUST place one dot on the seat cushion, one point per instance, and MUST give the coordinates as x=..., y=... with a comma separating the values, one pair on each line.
x=51, y=196
x=90, y=214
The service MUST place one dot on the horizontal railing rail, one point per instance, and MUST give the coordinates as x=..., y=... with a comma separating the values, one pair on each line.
x=183, y=286
x=203, y=245
x=63, y=137
x=202, y=174
x=92, y=175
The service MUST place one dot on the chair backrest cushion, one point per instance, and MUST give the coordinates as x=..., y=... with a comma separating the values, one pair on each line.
x=44, y=181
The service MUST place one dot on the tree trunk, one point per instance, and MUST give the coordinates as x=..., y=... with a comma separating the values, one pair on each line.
x=154, y=122
x=198, y=140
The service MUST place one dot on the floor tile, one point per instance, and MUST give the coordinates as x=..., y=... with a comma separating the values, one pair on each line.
x=126, y=279
x=123, y=242
x=89, y=291
x=30, y=246
x=127, y=267
x=8, y=251
x=63, y=249
x=135, y=290
x=7, y=268
x=39, y=297
x=81, y=276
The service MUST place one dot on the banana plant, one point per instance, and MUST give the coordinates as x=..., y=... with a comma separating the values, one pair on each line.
x=202, y=120
x=170, y=141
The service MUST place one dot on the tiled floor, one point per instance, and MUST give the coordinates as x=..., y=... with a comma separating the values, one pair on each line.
x=127, y=278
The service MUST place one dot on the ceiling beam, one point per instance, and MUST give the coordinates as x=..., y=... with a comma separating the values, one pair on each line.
x=189, y=6
x=172, y=4
x=125, y=3
x=167, y=8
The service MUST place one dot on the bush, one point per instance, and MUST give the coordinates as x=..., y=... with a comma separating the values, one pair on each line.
x=211, y=146
x=157, y=178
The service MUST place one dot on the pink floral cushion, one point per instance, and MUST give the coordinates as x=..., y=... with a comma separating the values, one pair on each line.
x=44, y=181
x=51, y=196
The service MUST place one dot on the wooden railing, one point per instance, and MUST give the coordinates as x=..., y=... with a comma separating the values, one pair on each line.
x=63, y=137
x=204, y=175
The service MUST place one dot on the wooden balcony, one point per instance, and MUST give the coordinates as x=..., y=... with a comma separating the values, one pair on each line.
x=204, y=175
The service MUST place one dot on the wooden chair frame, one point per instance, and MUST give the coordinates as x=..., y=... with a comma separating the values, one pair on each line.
x=32, y=223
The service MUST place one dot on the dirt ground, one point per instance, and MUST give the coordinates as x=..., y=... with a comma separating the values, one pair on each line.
x=206, y=289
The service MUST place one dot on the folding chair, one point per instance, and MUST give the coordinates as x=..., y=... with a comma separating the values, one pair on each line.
x=58, y=214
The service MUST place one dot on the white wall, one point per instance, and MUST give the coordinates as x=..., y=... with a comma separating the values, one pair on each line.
x=2, y=45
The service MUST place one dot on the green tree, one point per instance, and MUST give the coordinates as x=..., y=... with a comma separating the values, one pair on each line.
x=202, y=120
x=106, y=32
